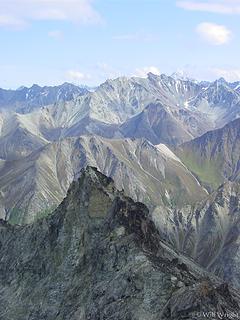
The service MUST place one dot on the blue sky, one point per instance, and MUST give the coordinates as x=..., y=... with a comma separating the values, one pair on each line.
x=85, y=41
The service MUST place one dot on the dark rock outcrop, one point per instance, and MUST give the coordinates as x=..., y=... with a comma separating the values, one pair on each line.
x=99, y=256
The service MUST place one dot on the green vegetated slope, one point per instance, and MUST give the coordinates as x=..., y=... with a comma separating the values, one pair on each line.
x=215, y=156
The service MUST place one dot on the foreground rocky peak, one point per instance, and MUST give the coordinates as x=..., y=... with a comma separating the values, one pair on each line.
x=100, y=256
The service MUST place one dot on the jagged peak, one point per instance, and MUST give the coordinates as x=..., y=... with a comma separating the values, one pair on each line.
x=119, y=259
x=96, y=176
x=90, y=178
x=65, y=85
x=153, y=75
x=221, y=80
x=110, y=82
x=21, y=88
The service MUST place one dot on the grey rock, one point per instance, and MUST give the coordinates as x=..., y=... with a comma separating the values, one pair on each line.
x=208, y=232
x=147, y=173
x=75, y=264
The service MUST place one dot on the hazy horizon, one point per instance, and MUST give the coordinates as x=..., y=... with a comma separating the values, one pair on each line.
x=175, y=74
x=88, y=41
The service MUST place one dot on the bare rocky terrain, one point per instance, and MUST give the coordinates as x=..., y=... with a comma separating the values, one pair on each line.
x=100, y=256
x=161, y=242
x=41, y=151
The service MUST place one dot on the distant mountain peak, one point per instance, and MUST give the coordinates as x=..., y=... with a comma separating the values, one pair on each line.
x=181, y=75
x=22, y=88
x=221, y=80
x=35, y=86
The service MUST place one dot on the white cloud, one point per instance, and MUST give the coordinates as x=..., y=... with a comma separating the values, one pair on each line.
x=213, y=33
x=143, y=72
x=77, y=76
x=12, y=22
x=212, y=6
x=229, y=74
x=92, y=75
x=55, y=34
x=16, y=13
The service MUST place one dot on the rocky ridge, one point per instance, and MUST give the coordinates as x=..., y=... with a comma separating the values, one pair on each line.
x=150, y=174
x=161, y=109
x=100, y=256
x=208, y=232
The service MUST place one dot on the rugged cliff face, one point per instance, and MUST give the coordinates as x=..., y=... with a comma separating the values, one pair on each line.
x=209, y=232
x=100, y=256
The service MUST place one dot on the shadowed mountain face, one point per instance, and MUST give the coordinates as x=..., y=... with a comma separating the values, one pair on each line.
x=152, y=174
x=158, y=125
x=215, y=156
x=208, y=232
x=99, y=255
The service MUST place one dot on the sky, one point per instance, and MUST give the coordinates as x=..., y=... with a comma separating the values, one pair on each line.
x=49, y=42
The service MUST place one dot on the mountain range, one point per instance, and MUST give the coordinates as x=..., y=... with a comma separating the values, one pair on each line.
x=135, y=114
x=148, y=173
x=160, y=109
x=172, y=144
x=24, y=100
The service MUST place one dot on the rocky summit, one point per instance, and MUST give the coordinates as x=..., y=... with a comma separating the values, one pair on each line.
x=148, y=173
x=100, y=256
